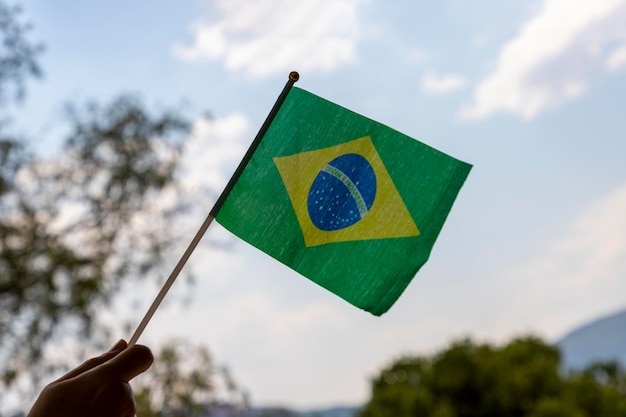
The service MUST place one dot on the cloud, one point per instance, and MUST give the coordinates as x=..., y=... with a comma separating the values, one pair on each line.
x=442, y=84
x=264, y=37
x=547, y=62
x=617, y=60
x=417, y=56
x=213, y=151
x=560, y=287
x=208, y=158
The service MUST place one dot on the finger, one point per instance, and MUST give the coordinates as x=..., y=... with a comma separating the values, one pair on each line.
x=129, y=363
x=120, y=345
x=93, y=362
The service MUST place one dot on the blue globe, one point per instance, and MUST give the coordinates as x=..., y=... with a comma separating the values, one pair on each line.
x=342, y=192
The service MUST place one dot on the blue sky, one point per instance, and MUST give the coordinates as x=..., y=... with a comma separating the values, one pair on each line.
x=529, y=92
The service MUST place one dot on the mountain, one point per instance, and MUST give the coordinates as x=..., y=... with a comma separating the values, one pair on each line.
x=286, y=412
x=603, y=339
x=332, y=412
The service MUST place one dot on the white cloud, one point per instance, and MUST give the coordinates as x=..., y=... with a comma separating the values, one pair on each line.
x=560, y=287
x=617, y=59
x=479, y=40
x=213, y=151
x=264, y=37
x=442, y=84
x=417, y=56
x=208, y=159
x=546, y=63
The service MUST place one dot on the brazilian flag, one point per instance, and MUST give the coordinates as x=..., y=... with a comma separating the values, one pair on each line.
x=349, y=203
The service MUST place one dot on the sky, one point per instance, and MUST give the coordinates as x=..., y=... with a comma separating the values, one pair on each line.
x=531, y=93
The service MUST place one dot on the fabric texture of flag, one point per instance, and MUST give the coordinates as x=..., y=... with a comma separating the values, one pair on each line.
x=349, y=203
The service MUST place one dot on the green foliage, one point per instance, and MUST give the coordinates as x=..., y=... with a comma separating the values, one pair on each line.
x=75, y=222
x=18, y=55
x=18, y=62
x=520, y=379
x=185, y=382
x=72, y=227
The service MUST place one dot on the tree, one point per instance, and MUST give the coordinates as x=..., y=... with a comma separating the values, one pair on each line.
x=77, y=222
x=520, y=379
x=18, y=62
x=68, y=224
x=18, y=56
x=185, y=382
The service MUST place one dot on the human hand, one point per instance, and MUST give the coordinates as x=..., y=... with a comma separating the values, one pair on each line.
x=97, y=388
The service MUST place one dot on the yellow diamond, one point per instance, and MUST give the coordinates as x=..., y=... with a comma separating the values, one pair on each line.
x=388, y=216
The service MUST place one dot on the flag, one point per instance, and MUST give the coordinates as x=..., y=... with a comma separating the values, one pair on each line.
x=345, y=201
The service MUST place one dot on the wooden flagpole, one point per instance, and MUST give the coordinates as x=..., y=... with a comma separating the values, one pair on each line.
x=293, y=77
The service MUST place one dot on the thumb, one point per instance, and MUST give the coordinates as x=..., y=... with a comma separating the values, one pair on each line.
x=130, y=362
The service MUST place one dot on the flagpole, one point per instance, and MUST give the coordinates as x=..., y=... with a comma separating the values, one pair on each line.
x=293, y=78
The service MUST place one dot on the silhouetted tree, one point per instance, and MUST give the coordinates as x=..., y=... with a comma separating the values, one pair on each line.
x=78, y=221
x=185, y=382
x=520, y=379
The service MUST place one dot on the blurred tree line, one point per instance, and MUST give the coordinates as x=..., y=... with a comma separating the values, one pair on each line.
x=521, y=379
x=78, y=222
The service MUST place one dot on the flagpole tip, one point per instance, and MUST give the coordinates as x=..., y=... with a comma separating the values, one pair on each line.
x=294, y=76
